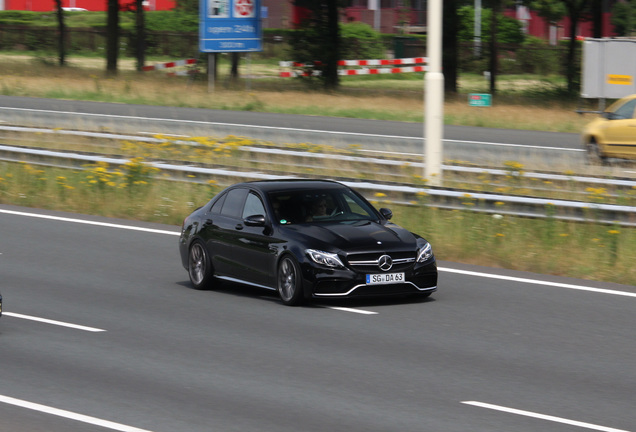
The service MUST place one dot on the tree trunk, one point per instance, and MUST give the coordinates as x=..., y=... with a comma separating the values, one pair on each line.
x=597, y=18
x=140, y=27
x=112, y=35
x=234, y=69
x=450, y=54
x=570, y=71
x=61, y=33
x=494, y=53
x=333, y=56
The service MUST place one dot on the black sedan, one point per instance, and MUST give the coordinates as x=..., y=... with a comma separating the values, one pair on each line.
x=305, y=239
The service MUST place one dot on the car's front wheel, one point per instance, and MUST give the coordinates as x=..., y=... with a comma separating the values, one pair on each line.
x=199, y=266
x=594, y=155
x=289, y=282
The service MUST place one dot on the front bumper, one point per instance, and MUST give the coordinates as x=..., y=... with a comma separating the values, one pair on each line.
x=344, y=283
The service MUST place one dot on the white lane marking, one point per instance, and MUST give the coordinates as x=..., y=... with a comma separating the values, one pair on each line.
x=514, y=145
x=443, y=269
x=286, y=129
x=538, y=282
x=70, y=415
x=49, y=321
x=87, y=222
x=543, y=416
x=358, y=311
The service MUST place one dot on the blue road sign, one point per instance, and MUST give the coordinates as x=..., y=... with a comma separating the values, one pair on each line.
x=230, y=26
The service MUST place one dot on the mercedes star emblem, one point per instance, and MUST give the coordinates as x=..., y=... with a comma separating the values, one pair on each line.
x=385, y=263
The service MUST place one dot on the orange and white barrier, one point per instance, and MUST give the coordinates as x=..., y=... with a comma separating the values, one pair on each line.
x=168, y=65
x=361, y=63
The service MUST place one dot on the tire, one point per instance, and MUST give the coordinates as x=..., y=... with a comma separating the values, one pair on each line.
x=289, y=282
x=594, y=156
x=199, y=266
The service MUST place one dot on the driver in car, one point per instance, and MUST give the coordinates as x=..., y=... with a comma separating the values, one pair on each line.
x=318, y=210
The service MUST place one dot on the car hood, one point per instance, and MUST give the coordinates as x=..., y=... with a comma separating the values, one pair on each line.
x=360, y=235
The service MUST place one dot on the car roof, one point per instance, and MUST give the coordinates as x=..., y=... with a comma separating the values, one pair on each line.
x=292, y=184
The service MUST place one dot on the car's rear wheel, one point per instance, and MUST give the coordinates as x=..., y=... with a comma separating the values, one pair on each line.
x=199, y=266
x=289, y=282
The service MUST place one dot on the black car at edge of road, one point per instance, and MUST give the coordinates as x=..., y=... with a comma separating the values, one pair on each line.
x=305, y=239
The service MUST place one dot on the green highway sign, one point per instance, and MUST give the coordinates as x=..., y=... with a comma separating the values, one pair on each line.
x=480, y=99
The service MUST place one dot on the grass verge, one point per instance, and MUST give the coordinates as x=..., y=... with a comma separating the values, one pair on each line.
x=136, y=191
x=522, y=102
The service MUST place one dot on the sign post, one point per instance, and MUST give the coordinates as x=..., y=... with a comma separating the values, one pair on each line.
x=230, y=26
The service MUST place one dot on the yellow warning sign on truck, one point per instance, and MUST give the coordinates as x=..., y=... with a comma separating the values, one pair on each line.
x=620, y=79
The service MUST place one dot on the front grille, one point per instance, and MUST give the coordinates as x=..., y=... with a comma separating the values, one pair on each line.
x=368, y=262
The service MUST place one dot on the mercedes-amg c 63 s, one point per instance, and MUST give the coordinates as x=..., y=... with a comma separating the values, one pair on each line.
x=304, y=239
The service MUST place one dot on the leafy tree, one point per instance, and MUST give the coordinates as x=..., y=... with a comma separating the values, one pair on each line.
x=624, y=18
x=187, y=6
x=574, y=10
x=550, y=10
x=318, y=39
x=509, y=30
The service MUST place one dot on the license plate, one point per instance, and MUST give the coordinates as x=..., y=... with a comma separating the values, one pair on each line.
x=384, y=278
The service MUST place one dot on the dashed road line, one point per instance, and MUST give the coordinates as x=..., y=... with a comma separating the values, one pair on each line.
x=538, y=282
x=53, y=322
x=70, y=415
x=543, y=416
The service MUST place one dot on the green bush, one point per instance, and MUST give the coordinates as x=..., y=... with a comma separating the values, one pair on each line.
x=360, y=41
x=538, y=57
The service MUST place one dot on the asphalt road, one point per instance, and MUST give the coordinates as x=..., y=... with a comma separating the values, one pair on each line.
x=472, y=144
x=529, y=352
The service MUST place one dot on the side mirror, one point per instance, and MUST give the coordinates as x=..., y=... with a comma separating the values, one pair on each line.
x=387, y=213
x=255, y=221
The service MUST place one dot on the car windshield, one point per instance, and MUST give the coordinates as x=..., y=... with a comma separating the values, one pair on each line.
x=315, y=206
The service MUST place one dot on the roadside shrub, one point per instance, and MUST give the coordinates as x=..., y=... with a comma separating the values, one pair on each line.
x=538, y=57
x=360, y=41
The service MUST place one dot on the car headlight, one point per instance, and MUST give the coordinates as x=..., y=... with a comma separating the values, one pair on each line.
x=425, y=253
x=325, y=258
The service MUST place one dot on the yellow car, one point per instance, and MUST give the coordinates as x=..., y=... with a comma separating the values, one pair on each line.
x=613, y=135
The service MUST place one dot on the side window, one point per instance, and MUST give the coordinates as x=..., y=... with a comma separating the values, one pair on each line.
x=234, y=203
x=218, y=204
x=253, y=206
x=626, y=111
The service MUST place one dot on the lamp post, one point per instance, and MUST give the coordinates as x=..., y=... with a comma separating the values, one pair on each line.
x=434, y=96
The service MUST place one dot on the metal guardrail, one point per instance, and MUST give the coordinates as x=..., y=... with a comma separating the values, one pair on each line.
x=441, y=198
x=607, y=182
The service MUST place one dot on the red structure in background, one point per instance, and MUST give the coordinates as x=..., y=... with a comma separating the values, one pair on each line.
x=284, y=14
x=299, y=14
x=537, y=26
x=91, y=5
